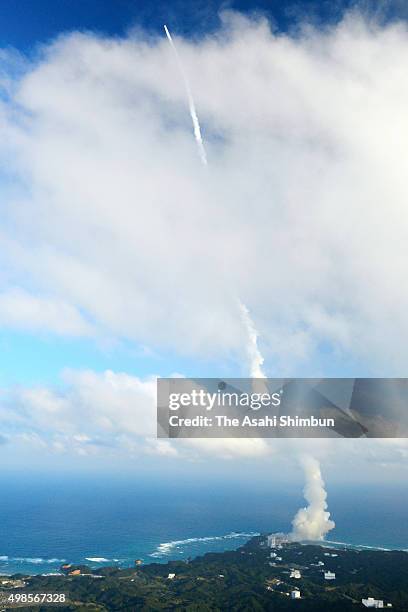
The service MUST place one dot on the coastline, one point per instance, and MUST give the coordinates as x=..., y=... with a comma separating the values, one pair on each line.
x=170, y=552
x=262, y=576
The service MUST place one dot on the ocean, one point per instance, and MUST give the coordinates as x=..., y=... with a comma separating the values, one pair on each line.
x=105, y=521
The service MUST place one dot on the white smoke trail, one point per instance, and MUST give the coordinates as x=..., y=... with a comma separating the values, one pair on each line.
x=255, y=357
x=313, y=522
x=191, y=105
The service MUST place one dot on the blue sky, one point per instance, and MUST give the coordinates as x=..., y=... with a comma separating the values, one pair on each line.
x=122, y=258
x=25, y=23
x=28, y=358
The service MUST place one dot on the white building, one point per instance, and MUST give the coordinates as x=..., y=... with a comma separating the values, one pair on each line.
x=271, y=541
x=295, y=573
x=171, y=576
x=329, y=576
x=370, y=602
x=275, y=540
x=295, y=594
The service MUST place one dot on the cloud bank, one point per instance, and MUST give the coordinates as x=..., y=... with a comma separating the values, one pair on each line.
x=103, y=414
x=111, y=227
x=108, y=216
x=111, y=416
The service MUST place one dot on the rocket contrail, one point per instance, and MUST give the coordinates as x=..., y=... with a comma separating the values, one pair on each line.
x=191, y=105
x=254, y=354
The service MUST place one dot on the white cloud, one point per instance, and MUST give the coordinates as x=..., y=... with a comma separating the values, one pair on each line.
x=162, y=447
x=301, y=212
x=19, y=309
x=229, y=448
x=107, y=215
x=89, y=413
x=96, y=413
x=113, y=414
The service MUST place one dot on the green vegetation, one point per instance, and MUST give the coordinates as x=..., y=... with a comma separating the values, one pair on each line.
x=241, y=580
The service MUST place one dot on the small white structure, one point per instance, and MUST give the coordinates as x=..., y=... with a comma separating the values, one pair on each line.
x=295, y=594
x=171, y=576
x=275, y=540
x=273, y=555
x=271, y=541
x=329, y=576
x=370, y=602
x=295, y=573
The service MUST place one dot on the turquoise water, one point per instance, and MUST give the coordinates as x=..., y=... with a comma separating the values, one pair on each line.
x=44, y=522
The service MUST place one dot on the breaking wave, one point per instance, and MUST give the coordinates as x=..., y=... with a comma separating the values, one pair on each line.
x=34, y=560
x=165, y=548
x=355, y=546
